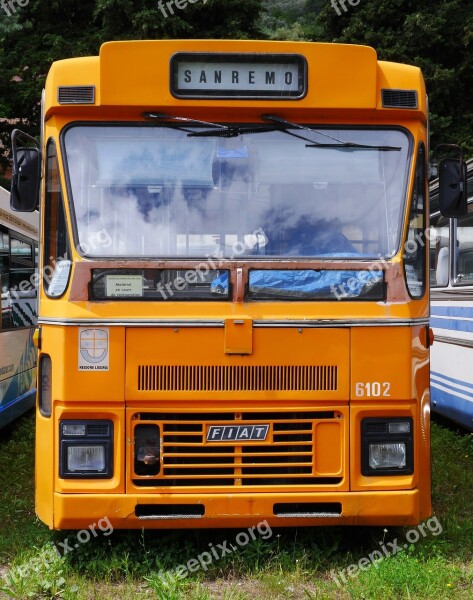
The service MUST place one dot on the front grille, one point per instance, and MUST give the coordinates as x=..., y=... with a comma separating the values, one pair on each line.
x=285, y=458
x=254, y=378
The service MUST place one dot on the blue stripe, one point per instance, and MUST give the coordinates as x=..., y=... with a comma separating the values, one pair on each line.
x=452, y=311
x=453, y=380
x=18, y=399
x=451, y=387
x=452, y=324
x=452, y=406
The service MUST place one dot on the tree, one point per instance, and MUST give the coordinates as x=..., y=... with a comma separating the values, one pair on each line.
x=436, y=35
x=47, y=30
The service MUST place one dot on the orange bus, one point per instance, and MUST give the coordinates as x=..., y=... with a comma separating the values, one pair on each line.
x=233, y=320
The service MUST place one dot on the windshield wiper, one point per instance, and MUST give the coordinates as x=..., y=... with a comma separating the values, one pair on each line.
x=228, y=132
x=237, y=130
x=354, y=146
x=164, y=117
x=219, y=131
x=340, y=144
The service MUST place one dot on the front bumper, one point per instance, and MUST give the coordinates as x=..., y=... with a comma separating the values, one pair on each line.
x=78, y=511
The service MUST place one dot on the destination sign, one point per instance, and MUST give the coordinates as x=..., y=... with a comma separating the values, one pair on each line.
x=232, y=76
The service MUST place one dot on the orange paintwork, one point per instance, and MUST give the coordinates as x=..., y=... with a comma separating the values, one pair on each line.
x=345, y=85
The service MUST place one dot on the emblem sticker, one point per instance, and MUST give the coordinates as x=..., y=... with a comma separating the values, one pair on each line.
x=93, y=349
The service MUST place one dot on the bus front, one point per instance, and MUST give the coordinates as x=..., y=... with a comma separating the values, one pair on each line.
x=233, y=312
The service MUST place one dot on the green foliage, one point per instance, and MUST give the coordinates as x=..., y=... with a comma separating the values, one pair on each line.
x=41, y=574
x=435, y=35
x=283, y=19
x=47, y=30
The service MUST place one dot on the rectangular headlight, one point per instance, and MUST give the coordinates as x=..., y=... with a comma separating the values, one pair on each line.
x=86, y=449
x=387, y=456
x=387, y=446
x=86, y=458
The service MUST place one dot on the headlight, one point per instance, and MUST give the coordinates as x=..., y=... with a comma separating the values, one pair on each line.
x=387, y=446
x=387, y=456
x=86, y=458
x=86, y=449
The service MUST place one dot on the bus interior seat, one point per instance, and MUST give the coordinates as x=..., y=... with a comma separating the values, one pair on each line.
x=441, y=272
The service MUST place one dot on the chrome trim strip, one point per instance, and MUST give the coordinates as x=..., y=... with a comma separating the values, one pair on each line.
x=132, y=323
x=455, y=295
x=221, y=323
x=454, y=341
x=342, y=323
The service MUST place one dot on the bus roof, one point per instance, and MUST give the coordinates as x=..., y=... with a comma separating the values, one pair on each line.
x=134, y=76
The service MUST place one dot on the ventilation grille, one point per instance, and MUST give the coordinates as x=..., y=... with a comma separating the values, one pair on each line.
x=81, y=94
x=399, y=98
x=286, y=458
x=201, y=378
x=98, y=429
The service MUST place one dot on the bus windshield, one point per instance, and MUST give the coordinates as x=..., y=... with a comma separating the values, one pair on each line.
x=156, y=191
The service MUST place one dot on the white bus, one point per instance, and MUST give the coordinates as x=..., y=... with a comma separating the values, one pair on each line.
x=451, y=278
x=18, y=266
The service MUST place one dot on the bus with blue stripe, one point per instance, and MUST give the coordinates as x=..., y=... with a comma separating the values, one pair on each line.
x=451, y=278
x=18, y=259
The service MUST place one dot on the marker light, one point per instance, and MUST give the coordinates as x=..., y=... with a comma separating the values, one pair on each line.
x=73, y=429
x=45, y=398
x=399, y=427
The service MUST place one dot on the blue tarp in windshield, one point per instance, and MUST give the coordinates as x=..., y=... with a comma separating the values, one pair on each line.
x=306, y=283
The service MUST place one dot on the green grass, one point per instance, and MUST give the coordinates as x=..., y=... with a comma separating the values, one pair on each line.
x=295, y=563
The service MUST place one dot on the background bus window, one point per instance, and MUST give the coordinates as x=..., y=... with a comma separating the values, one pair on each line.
x=439, y=250
x=4, y=264
x=414, y=256
x=464, y=248
x=17, y=265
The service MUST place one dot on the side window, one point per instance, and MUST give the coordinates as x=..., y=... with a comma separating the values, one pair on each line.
x=414, y=248
x=439, y=250
x=5, y=279
x=57, y=255
x=18, y=281
x=463, y=257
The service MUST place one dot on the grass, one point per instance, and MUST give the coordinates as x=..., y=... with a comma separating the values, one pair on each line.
x=294, y=563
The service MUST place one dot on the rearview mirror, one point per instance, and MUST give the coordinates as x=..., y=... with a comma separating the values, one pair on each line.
x=26, y=177
x=452, y=187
